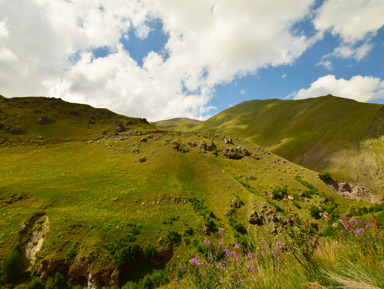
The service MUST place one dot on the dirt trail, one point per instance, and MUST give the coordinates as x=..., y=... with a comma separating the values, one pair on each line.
x=39, y=225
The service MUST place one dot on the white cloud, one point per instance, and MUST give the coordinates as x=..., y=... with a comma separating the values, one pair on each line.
x=326, y=63
x=353, y=21
x=242, y=91
x=6, y=55
x=49, y=44
x=284, y=76
x=3, y=28
x=360, y=88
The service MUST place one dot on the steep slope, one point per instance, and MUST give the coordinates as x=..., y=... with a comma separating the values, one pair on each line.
x=90, y=207
x=330, y=133
x=177, y=124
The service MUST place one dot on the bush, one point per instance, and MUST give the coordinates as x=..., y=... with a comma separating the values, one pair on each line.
x=149, y=251
x=325, y=176
x=73, y=251
x=59, y=282
x=10, y=269
x=315, y=212
x=174, y=236
x=280, y=193
x=125, y=255
x=36, y=284
x=188, y=232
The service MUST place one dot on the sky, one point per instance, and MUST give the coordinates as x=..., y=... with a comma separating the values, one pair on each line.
x=161, y=59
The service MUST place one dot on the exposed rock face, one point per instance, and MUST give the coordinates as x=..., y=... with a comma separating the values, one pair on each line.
x=352, y=191
x=255, y=219
x=39, y=225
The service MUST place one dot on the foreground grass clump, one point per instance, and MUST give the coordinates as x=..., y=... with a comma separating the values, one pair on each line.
x=352, y=258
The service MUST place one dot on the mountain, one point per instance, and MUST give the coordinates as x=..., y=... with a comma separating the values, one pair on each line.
x=103, y=198
x=328, y=133
x=177, y=124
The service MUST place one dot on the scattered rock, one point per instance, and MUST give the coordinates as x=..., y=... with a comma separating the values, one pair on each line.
x=44, y=120
x=179, y=147
x=37, y=111
x=227, y=140
x=235, y=203
x=14, y=130
x=142, y=160
x=120, y=127
x=74, y=113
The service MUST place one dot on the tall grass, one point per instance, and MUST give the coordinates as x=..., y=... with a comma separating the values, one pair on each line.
x=352, y=258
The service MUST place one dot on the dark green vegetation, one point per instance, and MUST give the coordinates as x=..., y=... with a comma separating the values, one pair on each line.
x=109, y=206
x=328, y=133
x=177, y=124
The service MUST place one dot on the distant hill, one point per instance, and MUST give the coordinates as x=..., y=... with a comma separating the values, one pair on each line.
x=101, y=204
x=327, y=133
x=177, y=124
x=42, y=119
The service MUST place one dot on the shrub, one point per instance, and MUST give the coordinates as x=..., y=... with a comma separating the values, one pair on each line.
x=36, y=284
x=73, y=251
x=315, y=212
x=59, y=282
x=325, y=176
x=188, y=232
x=10, y=269
x=125, y=255
x=149, y=251
x=174, y=236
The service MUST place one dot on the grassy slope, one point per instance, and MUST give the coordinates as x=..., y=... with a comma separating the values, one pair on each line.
x=325, y=133
x=75, y=184
x=177, y=124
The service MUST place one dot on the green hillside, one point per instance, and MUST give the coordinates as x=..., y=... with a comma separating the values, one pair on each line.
x=177, y=124
x=104, y=208
x=327, y=133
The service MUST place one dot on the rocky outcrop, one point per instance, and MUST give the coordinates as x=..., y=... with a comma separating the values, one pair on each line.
x=352, y=191
x=36, y=228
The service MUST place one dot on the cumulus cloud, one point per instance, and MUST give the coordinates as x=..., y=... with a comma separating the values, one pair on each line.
x=47, y=49
x=360, y=88
x=352, y=21
x=326, y=63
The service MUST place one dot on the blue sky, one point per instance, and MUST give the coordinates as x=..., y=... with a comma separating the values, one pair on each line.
x=159, y=60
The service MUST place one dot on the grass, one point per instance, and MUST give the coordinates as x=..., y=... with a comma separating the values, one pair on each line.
x=99, y=193
x=328, y=133
x=177, y=124
x=352, y=258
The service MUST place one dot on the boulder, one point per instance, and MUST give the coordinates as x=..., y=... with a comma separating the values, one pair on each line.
x=44, y=120
x=120, y=127
x=227, y=140
x=235, y=203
